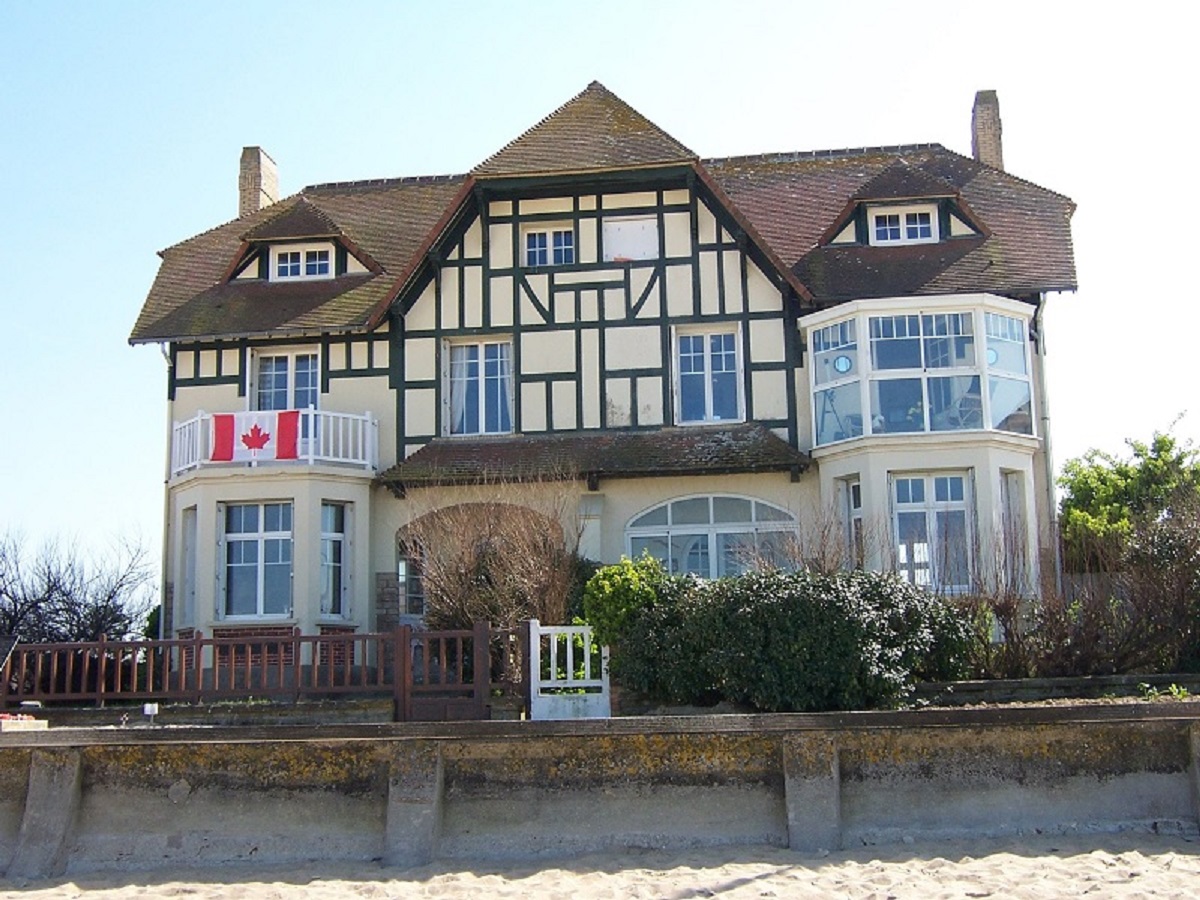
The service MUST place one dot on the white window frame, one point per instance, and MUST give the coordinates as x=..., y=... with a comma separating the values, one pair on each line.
x=336, y=607
x=260, y=538
x=707, y=332
x=304, y=250
x=903, y=213
x=611, y=233
x=448, y=382
x=713, y=529
x=253, y=393
x=550, y=232
x=855, y=534
x=930, y=507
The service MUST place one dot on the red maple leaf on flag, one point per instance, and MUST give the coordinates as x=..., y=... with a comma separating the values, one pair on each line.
x=256, y=438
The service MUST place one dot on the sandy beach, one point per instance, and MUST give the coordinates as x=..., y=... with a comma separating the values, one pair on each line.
x=1099, y=865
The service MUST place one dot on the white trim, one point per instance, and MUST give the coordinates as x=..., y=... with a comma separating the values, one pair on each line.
x=303, y=251
x=259, y=538
x=447, y=380
x=549, y=230
x=906, y=221
x=707, y=331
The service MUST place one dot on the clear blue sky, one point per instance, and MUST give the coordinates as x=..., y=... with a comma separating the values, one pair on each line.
x=121, y=125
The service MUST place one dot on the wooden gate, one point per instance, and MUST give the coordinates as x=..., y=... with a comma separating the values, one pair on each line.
x=568, y=673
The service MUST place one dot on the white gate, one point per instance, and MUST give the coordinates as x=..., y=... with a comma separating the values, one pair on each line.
x=569, y=673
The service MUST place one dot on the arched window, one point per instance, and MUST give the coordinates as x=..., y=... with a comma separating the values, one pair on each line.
x=713, y=536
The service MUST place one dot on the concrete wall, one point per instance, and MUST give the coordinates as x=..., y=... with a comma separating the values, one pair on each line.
x=74, y=800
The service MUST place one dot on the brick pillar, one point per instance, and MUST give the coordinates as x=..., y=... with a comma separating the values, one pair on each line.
x=985, y=130
x=258, y=181
x=387, y=601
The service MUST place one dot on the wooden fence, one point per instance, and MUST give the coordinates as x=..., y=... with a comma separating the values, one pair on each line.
x=431, y=675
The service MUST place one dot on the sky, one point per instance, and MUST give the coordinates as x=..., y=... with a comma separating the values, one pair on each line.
x=121, y=125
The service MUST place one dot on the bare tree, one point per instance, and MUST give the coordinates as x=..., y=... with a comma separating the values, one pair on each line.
x=495, y=552
x=58, y=594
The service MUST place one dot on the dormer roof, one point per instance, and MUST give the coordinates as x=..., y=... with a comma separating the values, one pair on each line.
x=593, y=131
x=301, y=220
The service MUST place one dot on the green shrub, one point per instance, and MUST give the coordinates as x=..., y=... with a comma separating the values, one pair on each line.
x=615, y=592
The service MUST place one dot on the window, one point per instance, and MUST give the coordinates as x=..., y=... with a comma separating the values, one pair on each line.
x=300, y=262
x=552, y=246
x=921, y=372
x=412, y=585
x=714, y=536
x=287, y=381
x=856, y=549
x=258, y=559
x=709, y=385
x=480, y=381
x=629, y=238
x=932, y=530
x=903, y=225
x=334, y=574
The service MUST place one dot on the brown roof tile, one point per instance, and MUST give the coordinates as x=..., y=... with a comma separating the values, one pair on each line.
x=300, y=220
x=595, y=130
x=702, y=450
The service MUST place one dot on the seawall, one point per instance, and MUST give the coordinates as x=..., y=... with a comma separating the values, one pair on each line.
x=80, y=799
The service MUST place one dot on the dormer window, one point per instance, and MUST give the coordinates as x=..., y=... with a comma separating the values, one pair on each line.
x=896, y=225
x=292, y=262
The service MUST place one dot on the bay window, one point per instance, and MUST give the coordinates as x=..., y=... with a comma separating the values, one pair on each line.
x=922, y=372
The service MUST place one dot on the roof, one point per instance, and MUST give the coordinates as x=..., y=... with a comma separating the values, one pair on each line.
x=693, y=450
x=593, y=131
x=793, y=199
x=787, y=203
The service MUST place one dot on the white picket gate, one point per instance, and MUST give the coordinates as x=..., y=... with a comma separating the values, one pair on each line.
x=569, y=673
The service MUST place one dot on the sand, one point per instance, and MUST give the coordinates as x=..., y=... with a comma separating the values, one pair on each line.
x=1095, y=866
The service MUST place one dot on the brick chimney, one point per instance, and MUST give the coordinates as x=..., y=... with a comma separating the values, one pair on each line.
x=258, y=181
x=985, y=130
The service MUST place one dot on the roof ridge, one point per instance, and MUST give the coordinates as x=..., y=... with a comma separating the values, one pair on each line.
x=797, y=155
x=383, y=182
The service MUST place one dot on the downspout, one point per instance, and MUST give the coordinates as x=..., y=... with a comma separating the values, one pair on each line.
x=1047, y=450
x=166, y=526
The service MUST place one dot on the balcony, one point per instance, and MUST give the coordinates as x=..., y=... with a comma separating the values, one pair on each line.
x=275, y=438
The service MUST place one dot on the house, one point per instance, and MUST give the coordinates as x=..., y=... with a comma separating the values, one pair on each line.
x=717, y=358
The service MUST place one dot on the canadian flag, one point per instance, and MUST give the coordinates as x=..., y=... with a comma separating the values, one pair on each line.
x=248, y=436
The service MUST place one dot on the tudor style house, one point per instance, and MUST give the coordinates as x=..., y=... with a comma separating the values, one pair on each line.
x=719, y=359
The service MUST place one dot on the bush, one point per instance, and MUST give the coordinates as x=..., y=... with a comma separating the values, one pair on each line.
x=781, y=641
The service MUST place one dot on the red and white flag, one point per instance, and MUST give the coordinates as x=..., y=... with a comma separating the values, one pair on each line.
x=248, y=436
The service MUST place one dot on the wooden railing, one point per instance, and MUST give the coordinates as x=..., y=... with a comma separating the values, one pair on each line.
x=324, y=437
x=431, y=675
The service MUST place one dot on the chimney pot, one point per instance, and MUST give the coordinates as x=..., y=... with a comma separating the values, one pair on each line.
x=985, y=130
x=258, y=181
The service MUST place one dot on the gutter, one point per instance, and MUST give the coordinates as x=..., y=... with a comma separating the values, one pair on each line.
x=1047, y=449
x=166, y=526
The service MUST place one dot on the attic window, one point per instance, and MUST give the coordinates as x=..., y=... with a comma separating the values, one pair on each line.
x=292, y=262
x=896, y=225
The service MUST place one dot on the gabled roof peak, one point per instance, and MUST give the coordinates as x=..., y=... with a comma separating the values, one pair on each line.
x=301, y=219
x=594, y=130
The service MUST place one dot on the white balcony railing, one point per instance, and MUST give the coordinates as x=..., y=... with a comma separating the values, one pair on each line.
x=320, y=437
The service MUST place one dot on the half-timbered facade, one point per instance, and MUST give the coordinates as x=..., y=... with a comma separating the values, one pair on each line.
x=790, y=357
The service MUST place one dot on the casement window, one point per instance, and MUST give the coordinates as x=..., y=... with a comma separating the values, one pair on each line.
x=289, y=263
x=932, y=530
x=923, y=372
x=335, y=570
x=708, y=382
x=714, y=536
x=287, y=381
x=550, y=246
x=409, y=572
x=480, y=388
x=856, y=549
x=895, y=225
x=629, y=238
x=257, y=571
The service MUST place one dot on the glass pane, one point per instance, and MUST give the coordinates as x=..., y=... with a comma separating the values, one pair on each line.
x=656, y=516
x=241, y=578
x=838, y=413
x=277, y=517
x=691, y=378
x=496, y=376
x=464, y=389
x=735, y=554
x=955, y=403
x=764, y=512
x=835, y=352
x=273, y=382
x=689, y=555
x=277, y=586
x=1012, y=408
x=953, y=558
x=1006, y=343
x=333, y=518
x=731, y=509
x=949, y=340
x=777, y=549
x=241, y=519
x=896, y=406
x=656, y=545
x=690, y=512
x=895, y=342
x=912, y=547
